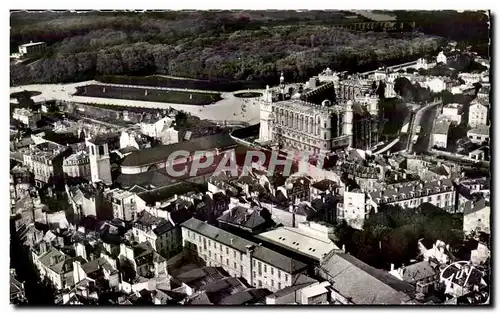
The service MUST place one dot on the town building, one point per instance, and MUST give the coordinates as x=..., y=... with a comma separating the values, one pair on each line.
x=425, y=63
x=422, y=275
x=32, y=49
x=477, y=217
x=412, y=194
x=159, y=232
x=54, y=265
x=470, y=78
x=453, y=112
x=123, y=203
x=45, y=160
x=77, y=165
x=479, y=154
x=27, y=117
x=440, y=132
x=355, y=208
x=479, y=134
x=260, y=266
x=478, y=112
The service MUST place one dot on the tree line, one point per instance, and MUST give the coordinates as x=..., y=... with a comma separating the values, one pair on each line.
x=206, y=46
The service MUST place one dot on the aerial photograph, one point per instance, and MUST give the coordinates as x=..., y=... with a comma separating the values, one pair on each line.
x=250, y=157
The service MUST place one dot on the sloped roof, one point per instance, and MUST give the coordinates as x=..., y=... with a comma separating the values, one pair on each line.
x=241, y=216
x=477, y=207
x=160, y=153
x=364, y=284
x=418, y=271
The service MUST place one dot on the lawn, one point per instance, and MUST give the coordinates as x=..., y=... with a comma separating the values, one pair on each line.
x=162, y=81
x=153, y=95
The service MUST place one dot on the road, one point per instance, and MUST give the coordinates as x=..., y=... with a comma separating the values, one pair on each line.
x=424, y=118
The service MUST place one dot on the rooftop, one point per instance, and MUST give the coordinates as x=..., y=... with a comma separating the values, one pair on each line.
x=480, y=129
x=32, y=44
x=161, y=153
x=411, y=189
x=300, y=241
x=363, y=284
x=441, y=126
x=266, y=255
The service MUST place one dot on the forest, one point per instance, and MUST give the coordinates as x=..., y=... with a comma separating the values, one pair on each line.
x=253, y=45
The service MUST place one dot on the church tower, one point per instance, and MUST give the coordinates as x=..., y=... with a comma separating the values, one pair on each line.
x=266, y=116
x=100, y=165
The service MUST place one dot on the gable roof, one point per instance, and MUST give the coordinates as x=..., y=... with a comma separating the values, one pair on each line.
x=241, y=216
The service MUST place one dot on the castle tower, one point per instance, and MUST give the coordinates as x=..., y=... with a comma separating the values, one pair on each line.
x=266, y=116
x=348, y=120
x=100, y=165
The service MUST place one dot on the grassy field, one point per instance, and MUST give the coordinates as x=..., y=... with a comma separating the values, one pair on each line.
x=175, y=97
x=162, y=81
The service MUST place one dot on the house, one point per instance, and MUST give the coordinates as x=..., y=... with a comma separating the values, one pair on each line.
x=54, y=265
x=477, y=217
x=422, y=275
x=323, y=187
x=479, y=154
x=17, y=293
x=354, y=282
x=253, y=220
x=292, y=294
x=436, y=84
x=123, y=203
x=461, y=278
x=192, y=281
x=158, y=232
x=478, y=112
x=479, y=134
x=441, y=58
x=440, y=132
x=453, y=112
x=27, y=117
x=145, y=261
x=214, y=293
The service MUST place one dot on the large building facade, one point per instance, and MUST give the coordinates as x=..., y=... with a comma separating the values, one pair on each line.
x=319, y=128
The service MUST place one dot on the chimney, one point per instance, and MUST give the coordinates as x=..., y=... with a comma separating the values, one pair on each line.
x=232, y=241
x=392, y=267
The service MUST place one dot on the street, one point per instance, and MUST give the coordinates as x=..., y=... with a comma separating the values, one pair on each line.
x=425, y=119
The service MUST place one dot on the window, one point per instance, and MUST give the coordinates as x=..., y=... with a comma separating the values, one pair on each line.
x=259, y=283
x=92, y=150
x=227, y=251
x=234, y=254
x=189, y=234
x=272, y=283
x=221, y=247
x=286, y=277
x=210, y=254
x=101, y=150
x=227, y=261
x=279, y=273
x=241, y=256
x=241, y=268
x=204, y=243
x=254, y=275
x=234, y=264
x=254, y=263
x=199, y=238
x=265, y=268
x=209, y=243
x=272, y=271
x=279, y=285
x=260, y=269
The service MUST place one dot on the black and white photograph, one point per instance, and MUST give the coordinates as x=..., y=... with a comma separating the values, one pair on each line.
x=200, y=158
